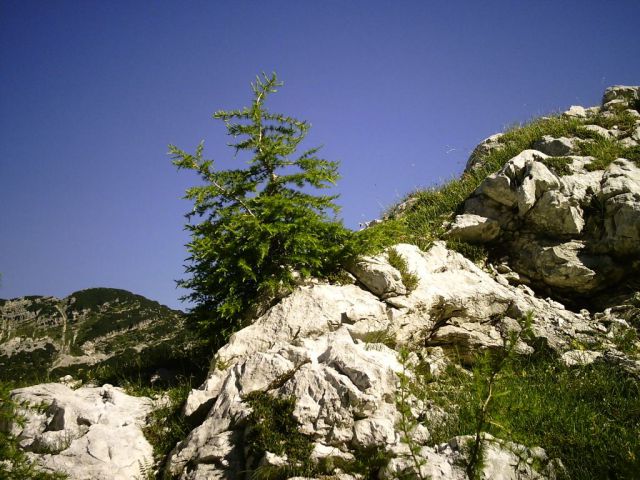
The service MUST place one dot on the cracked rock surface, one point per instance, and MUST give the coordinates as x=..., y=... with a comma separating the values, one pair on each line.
x=89, y=433
x=322, y=346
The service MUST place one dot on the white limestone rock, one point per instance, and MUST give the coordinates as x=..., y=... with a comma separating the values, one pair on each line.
x=621, y=177
x=565, y=265
x=485, y=147
x=622, y=224
x=501, y=461
x=344, y=385
x=579, y=357
x=581, y=185
x=88, y=433
x=521, y=182
x=603, y=132
x=576, y=111
x=308, y=311
x=378, y=276
x=474, y=228
x=555, y=147
x=556, y=214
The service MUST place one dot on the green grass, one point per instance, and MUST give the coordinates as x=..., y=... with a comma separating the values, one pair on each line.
x=476, y=253
x=422, y=223
x=166, y=425
x=383, y=337
x=577, y=413
x=397, y=261
x=604, y=150
x=274, y=429
x=621, y=119
x=559, y=165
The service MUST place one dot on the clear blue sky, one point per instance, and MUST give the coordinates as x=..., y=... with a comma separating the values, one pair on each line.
x=91, y=93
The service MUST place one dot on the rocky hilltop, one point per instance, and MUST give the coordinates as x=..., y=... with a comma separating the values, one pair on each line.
x=89, y=329
x=503, y=345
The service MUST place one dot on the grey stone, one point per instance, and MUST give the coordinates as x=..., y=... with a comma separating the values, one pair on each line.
x=378, y=276
x=485, y=147
x=474, y=228
x=555, y=147
x=597, y=129
x=624, y=93
x=88, y=433
x=556, y=214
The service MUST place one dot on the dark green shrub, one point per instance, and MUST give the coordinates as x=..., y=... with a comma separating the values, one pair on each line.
x=260, y=227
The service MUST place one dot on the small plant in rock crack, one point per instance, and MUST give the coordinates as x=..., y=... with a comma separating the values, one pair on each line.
x=273, y=428
x=397, y=261
x=485, y=374
x=14, y=462
x=408, y=423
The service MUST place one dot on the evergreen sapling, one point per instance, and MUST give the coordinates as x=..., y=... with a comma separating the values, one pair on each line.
x=260, y=228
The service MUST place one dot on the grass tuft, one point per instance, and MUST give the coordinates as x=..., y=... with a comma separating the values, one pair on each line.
x=397, y=261
x=476, y=253
x=273, y=428
x=559, y=165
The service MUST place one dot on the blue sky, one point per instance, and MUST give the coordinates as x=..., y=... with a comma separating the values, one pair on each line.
x=92, y=92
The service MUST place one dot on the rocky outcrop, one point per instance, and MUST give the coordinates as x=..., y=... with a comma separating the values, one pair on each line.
x=332, y=361
x=566, y=225
x=329, y=348
x=503, y=460
x=89, y=433
x=334, y=348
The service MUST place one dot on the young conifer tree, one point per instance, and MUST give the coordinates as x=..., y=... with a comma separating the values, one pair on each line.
x=261, y=226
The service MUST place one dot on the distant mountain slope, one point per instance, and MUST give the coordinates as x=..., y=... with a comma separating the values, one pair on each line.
x=89, y=329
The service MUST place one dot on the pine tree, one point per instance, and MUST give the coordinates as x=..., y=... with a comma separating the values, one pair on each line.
x=260, y=227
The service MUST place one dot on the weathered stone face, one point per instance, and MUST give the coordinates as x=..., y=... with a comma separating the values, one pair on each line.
x=574, y=233
x=89, y=433
x=324, y=354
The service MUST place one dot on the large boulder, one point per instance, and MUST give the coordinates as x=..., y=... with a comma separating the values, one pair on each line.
x=88, y=433
x=573, y=232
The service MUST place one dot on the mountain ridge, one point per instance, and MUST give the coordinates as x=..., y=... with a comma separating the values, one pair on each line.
x=82, y=330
